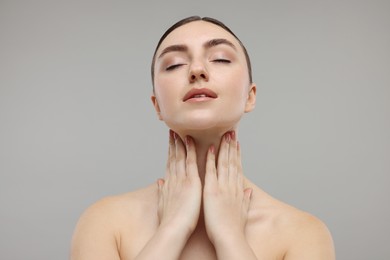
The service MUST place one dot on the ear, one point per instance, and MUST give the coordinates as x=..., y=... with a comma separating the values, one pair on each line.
x=251, y=100
x=156, y=106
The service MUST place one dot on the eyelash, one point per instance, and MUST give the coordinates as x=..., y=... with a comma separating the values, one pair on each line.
x=222, y=61
x=172, y=67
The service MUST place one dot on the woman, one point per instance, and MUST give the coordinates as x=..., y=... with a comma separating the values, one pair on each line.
x=204, y=208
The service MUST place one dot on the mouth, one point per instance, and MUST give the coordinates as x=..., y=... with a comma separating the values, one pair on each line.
x=199, y=94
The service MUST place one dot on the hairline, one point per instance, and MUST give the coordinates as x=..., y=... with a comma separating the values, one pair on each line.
x=194, y=19
x=206, y=45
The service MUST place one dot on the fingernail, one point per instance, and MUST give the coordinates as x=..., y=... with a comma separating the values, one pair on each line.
x=212, y=149
x=233, y=133
x=174, y=136
x=227, y=137
x=159, y=183
x=187, y=139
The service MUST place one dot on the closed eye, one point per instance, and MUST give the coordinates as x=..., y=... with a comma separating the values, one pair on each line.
x=221, y=61
x=174, y=66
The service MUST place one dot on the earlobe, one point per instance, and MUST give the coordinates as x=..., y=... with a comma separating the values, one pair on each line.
x=156, y=106
x=251, y=100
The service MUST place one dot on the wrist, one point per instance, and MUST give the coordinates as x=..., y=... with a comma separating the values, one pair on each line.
x=227, y=239
x=168, y=242
x=175, y=232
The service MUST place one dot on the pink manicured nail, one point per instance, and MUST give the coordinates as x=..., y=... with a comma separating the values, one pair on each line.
x=212, y=149
x=227, y=137
x=187, y=139
x=233, y=134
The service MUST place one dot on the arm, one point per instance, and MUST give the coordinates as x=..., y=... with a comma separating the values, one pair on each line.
x=167, y=243
x=226, y=201
x=179, y=203
x=226, y=205
x=234, y=248
x=178, y=212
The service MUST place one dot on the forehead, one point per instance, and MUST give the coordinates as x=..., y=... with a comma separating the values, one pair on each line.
x=195, y=34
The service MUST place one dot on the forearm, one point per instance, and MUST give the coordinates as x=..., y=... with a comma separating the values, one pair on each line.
x=234, y=248
x=166, y=244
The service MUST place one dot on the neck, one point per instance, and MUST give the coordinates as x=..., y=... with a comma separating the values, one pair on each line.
x=203, y=140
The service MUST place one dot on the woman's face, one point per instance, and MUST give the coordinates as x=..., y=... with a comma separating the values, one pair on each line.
x=201, y=79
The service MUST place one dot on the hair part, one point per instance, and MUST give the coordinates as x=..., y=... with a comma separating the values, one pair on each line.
x=206, y=19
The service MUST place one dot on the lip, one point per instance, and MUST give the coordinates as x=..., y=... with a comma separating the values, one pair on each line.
x=209, y=94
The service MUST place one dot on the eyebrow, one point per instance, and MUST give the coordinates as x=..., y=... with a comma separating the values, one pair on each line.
x=215, y=42
x=207, y=45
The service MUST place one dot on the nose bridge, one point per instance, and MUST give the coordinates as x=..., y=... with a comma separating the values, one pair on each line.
x=198, y=70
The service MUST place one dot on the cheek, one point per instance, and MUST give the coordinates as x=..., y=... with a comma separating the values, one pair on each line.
x=165, y=93
x=238, y=83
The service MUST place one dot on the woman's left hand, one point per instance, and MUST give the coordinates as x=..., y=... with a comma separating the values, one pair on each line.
x=226, y=201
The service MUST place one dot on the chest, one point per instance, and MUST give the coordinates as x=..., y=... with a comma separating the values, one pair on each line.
x=197, y=247
x=265, y=246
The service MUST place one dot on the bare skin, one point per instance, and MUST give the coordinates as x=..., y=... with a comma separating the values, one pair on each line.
x=204, y=207
x=138, y=225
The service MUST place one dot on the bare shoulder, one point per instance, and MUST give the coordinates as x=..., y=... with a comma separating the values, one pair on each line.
x=308, y=237
x=300, y=235
x=98, y=232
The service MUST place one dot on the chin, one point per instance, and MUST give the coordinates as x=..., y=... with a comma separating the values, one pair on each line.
x=203, y=124
x=197, y=120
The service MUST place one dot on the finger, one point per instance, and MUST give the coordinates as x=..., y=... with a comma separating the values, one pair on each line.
x=180, y=158
x=160, y=183
x=233, y=160
x=168, y=166
x=172, y=156
x=191, y=164
x=223, y=159
x=211, y=171
x=240, y=174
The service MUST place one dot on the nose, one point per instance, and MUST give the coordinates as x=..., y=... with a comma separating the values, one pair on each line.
x=198, y=72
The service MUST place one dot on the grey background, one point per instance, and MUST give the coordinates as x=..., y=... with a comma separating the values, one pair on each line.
x=77, y=124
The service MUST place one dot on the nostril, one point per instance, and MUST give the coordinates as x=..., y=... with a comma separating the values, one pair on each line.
x=196, y=76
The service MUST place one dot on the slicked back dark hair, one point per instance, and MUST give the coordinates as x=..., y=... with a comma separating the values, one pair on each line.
x=206, y=19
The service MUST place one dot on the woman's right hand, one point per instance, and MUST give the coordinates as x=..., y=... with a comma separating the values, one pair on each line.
x=179, y=200
x=180, y=194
